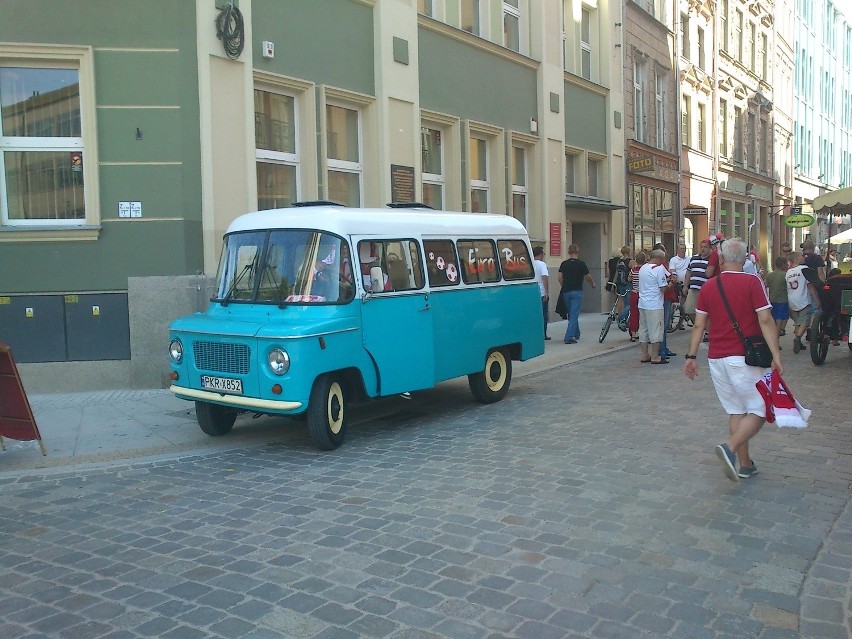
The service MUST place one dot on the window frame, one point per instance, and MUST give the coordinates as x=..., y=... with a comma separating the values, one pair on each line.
x=639, y=115
x=81, y=59
x=282, y=158
x=434, y=179
x=476, y=9
x=660, y=108
x=475, y=184
x=520, y=189
x=345, y=166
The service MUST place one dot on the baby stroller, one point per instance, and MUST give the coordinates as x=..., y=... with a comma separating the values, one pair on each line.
x=831, y=323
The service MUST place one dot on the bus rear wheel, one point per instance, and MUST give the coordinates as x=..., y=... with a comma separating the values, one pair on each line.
x=214, y=419
x=492, y=384
x=327, y=413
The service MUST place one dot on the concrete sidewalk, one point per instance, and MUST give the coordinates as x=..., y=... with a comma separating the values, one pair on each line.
x=115, y=425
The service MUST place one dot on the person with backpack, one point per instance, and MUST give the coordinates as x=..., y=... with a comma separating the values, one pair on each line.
x=622, y=284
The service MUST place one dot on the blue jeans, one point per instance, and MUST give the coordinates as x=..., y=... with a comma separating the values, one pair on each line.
x=573, y=302
x=667, y=318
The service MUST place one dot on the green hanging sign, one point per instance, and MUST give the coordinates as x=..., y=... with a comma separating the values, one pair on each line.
x=799, y=220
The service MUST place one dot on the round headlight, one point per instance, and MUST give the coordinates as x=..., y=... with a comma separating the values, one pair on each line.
x=176, y=351
x=279, y=361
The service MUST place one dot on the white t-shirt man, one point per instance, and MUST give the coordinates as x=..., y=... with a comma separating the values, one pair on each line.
x=652, y=278
x=540, y=273
x=678, y=265
x=798, y=296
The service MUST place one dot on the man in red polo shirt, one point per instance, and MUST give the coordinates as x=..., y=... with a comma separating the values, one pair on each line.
x=733, y=379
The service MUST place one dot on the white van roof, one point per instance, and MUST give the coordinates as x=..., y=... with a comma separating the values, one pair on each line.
x=377, y=222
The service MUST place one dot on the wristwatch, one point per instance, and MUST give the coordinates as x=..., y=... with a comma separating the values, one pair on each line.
x=690, y=356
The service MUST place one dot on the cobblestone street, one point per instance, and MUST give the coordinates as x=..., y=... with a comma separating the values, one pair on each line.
x=588, y=503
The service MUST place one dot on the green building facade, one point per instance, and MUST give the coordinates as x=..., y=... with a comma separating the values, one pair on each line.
x=131, y=134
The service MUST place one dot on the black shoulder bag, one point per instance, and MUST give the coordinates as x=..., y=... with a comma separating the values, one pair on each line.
x=757, y=351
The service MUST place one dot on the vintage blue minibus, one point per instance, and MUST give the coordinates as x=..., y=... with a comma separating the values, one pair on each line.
x=320, y=306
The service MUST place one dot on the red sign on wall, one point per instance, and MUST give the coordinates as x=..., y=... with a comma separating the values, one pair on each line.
x=555, y=238
x=16, y=416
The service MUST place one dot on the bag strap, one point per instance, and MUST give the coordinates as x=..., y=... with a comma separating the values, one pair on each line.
x=734, y=322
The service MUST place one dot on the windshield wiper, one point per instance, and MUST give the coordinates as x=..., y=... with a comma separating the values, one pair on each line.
x=239, y=278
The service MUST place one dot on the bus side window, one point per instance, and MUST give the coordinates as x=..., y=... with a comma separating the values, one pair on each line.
x=515, y=260
x=480, y=261
x=441, y=263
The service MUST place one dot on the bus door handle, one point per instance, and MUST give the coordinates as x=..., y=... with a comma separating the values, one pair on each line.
x=426, y=307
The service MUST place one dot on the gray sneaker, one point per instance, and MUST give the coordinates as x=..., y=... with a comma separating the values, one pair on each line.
x=748, y=471
x=798, y=346
x=729, y=461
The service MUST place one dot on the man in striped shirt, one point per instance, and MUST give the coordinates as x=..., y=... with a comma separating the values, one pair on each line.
x=696, y=275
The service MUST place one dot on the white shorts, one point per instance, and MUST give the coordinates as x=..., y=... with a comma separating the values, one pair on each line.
x=735, y=385
x=651, y=326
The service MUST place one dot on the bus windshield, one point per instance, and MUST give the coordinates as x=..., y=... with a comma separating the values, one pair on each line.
x=284, y=267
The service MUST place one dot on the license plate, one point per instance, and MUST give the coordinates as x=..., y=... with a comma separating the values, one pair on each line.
x=222, y=384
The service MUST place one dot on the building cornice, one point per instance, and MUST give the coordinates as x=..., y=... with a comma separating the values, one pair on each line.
x=459, y=35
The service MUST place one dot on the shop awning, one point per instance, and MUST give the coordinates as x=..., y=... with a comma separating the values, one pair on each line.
x=844, y=237
x=591, y=203
x=838, y=202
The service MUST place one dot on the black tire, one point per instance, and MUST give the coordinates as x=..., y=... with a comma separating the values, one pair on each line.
x=326, y=412
x=605, y=329
x=492, y=384
x=820, y=339
x=674, y=319
x=214, y=419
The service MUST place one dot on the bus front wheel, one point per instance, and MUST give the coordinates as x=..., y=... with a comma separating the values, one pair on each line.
x=326, y=413
x=214, y=419
x=492, y=384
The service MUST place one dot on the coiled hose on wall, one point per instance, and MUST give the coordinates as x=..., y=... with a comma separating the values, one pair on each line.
x=230, y=30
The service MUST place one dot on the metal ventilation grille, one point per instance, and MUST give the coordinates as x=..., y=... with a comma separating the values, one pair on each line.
x=222, y=358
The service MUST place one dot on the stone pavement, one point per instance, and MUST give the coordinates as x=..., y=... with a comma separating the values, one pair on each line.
x=588, y=503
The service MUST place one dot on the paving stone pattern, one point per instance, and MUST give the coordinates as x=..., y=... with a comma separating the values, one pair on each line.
x=588, y=503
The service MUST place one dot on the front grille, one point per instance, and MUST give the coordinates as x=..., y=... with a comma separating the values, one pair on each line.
x=222, y=358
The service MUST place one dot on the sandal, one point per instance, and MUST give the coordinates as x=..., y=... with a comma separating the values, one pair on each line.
x=645, y=361
x=660, y=361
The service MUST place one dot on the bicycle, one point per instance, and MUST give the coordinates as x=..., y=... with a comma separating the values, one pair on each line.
x=675, y=319
x=611, y=317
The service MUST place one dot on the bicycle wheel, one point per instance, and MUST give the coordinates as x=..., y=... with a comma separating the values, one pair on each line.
x=674, y=319
x=605, y=328
x=820, y=338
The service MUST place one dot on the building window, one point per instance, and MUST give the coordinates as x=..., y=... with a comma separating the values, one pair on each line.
x=702, y=50
x=686, y=116
x=752, y=46
x=586, y=44
x=752, y=141
x=738, y=34
x=595, y=176
x=470, y=17
x=432, y=167
x=738, y=136
x=702, y=123
x=765, y=146
x=723, y=128
x=660, y=109
x=639, y=122
x=479, y=184
x=44, y=153
x=684, y=35
x=276, y=150
x=426, y=7
x=343, y=139
x=571, y=172
x=512, y=25
x=520, y=190
x=723, y=24
x=764, y=47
